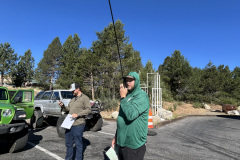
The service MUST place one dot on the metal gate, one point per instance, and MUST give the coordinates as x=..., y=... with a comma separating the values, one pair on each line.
x=156, y=95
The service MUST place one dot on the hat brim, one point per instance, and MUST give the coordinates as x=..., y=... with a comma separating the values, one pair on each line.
x=131, y=77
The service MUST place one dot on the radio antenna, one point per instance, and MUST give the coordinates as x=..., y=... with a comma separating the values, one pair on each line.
x=116, y=37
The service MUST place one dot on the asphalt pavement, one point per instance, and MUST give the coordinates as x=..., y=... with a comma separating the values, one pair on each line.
x=191, y=138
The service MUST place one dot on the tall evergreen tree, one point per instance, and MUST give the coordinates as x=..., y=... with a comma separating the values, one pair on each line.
x=48, y=67
x=178, y=70
x=8, y=60
x=24, y=70
x=106, y=50
x=68, y=67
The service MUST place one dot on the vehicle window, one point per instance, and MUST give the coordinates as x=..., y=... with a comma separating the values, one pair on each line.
x=55, y=95
x=39, y=95
x=28, y=96
x=66, y=94
x=19, y=94
x=3, y=94
x=46, y=95
x=11, y=93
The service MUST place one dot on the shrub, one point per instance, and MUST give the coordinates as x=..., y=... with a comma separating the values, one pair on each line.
x=170, y=108
x=198, y=105
x=175, y=106
x=109, y=104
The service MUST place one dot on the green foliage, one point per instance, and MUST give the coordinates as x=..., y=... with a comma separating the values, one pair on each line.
x=109, y=104
x=8, y=61
x=48, y=68
x=24, y=70
x=175, y=106
x=224, y=100
x=198, y=105
x=170, y=108
x=176, y=70
x=69, y=62
x=109, y=74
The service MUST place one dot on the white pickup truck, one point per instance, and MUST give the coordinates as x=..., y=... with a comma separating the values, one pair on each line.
x=46, y=105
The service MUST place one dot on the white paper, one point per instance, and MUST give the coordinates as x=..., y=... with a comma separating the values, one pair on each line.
x=112, y=154
x=68, y=121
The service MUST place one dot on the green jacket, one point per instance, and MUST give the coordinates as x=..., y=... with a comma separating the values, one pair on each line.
x=81, y=106
x=132, y=121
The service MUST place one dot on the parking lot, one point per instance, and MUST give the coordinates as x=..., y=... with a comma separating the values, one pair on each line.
x=200, y=137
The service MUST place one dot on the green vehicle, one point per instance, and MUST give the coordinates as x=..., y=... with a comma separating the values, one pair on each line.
x=14, y=110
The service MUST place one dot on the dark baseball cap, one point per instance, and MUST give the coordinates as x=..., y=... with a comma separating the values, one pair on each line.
x=128, y=76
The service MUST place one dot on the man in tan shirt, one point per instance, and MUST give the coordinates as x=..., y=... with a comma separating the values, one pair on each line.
x=78, y=107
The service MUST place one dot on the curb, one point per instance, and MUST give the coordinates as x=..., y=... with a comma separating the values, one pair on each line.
x=180, y=118
x=183, y=117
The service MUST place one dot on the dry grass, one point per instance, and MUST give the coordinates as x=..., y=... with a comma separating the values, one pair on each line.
x=182, y=109
x=187, y=109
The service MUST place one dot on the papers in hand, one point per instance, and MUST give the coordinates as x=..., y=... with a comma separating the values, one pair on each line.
x=68, y=121
x=112, y=154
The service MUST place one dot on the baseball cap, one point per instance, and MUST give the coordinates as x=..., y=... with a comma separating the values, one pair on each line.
x=128, y=76
x=74, y=86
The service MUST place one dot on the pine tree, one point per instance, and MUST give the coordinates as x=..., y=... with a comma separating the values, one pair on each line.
x=8, y=60
x=24, y=70
x=68, y=67
x=177, y=70
x=109, y=67
x=48, y=67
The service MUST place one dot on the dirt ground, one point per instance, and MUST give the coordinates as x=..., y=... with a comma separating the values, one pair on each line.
x=182, y=109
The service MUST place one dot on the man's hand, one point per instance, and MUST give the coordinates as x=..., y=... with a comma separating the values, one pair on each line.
x=61, y=104
x=123, y=91
x=113, y=142
x=74, y=115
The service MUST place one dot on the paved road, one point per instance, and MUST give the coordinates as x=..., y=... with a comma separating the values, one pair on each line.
x=192, y=138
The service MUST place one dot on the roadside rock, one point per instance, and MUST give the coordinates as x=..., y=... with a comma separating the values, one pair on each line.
x=115, y=114
x=233, y=112
x=156, y=119
x=207, y=106
x=166, y=114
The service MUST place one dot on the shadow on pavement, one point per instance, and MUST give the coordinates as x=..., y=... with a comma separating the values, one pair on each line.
x=229, y=116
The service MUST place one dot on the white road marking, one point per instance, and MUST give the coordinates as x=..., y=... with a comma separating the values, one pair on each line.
x=46, y=151
x=107, y=133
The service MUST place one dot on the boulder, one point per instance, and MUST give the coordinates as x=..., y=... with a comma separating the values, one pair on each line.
x=156, y=119
x=233, y=112
x=166, y=114
x=206, y=106
x=115, y=114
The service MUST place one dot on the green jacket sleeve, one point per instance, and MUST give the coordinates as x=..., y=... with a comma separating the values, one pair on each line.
x=134, y=106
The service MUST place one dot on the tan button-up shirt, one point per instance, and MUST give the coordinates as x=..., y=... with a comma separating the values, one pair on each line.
x=81, y=106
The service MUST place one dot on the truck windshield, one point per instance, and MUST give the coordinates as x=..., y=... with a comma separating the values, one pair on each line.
x=3, y=94
x=66, y=94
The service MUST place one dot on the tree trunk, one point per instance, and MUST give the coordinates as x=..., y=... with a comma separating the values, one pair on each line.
x=2, y=78
x=92, y=86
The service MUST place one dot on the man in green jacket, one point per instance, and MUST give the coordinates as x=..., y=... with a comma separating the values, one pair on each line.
x=78, y=107
x=132, y=121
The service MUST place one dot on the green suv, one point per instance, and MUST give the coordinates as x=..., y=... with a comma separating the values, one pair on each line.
x=15, y=108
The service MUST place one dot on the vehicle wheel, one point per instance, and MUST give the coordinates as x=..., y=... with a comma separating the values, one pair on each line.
x=97, y=123
x=19, y=142
x=37, y=119
x=60, y=130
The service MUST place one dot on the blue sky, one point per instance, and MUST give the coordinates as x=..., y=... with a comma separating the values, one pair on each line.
x=203, y=30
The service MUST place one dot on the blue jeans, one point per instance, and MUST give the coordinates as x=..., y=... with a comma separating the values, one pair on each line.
x=74, y=135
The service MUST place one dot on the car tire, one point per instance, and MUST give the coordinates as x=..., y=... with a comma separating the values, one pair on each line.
x=18, y=141
x=97, y=123
x=37, y=119
x=60, y=130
